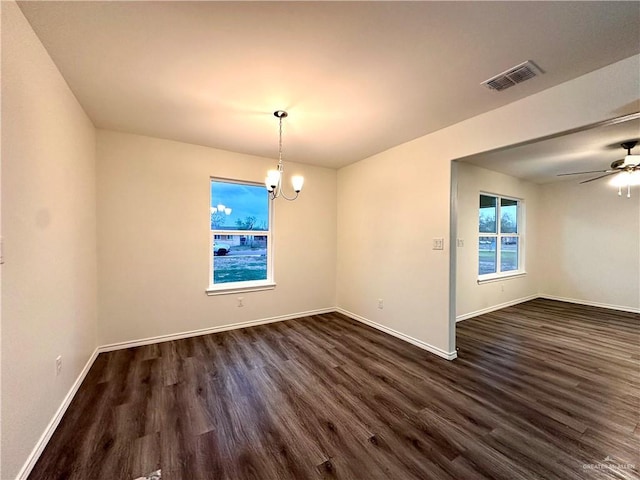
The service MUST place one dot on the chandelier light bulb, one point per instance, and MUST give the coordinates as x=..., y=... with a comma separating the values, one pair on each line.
x=272, y=180
x=297, y=181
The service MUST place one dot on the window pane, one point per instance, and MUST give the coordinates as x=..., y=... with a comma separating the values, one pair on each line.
x=509, y=254
x=487, y=249
x=508, y=216
x=487, y=217
x=236, y=206
x=242, y=258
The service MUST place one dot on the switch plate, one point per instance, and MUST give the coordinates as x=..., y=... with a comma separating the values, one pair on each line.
x=438, y=243
x=58, y=365
x=460, y=242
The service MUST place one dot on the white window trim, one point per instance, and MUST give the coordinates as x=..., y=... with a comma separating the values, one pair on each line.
x=249, y=286
x=496, y=277
x=520, y=221
x=255, y=286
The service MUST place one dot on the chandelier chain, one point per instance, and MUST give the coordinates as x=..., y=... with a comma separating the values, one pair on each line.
x=280, y=143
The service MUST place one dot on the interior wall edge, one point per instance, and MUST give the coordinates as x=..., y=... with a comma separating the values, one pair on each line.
x=49, y=311
x=620, y=308
x=498, y=306
x=55, y=420
x=453, y=253
x=50, y=429
x=493, y=308
x=206, y=331
x=402, y=336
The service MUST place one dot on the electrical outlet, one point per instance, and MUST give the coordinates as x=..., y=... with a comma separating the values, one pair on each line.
x=438, y=243
x=380, y=303
x=240, y=301
x=58, y=365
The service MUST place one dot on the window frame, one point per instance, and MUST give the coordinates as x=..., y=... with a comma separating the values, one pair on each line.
x=520, y=234
x=249, y=285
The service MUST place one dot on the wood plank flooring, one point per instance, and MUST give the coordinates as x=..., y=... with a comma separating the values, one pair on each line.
x=541, y=390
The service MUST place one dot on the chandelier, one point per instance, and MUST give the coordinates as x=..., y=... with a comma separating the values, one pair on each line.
x=273, y=182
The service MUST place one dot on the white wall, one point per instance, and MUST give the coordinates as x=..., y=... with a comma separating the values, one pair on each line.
x=49, y=230
x=153, y=239
x=591, y=244
x=152, y=206
x=472, y=298
x=582, y=243
x=392, y=204
x=385, y=230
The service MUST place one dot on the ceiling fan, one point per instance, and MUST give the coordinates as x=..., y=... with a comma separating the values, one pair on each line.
x=627, y=169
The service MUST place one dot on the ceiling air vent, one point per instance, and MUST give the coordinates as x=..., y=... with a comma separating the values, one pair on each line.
x=517, y=74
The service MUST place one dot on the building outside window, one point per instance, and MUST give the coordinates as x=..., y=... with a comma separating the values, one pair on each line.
x=240, y=255
x=500, y=240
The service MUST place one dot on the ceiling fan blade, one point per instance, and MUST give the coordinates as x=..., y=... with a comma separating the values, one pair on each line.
x=597, y=178
x=580, y=173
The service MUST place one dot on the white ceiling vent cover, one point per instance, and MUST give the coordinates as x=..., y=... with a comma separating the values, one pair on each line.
x=514, y=75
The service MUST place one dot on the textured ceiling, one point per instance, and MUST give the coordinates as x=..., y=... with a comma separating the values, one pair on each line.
x=356, y=77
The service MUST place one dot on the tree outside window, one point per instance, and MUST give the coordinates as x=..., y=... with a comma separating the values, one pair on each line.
x=240, y=234
x=499, y=239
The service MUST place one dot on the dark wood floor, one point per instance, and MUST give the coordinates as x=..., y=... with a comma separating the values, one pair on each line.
x=542, y=390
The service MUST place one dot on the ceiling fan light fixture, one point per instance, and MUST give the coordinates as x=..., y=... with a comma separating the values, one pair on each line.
x=624, y=173
x=631, y=160
x=625, y=179
x=633, y=178
x=619, y=180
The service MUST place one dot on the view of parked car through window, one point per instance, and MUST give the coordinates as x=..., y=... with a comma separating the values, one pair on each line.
x=240, y=233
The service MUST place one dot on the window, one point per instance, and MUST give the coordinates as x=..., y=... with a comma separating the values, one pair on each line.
x=500, y=249
x=240, y=238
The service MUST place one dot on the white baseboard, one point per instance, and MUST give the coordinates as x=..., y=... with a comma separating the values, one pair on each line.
x=414, y=341
x=24, y=472
x=53, y=424
x=55, y=421
x=493, y=308
x=206, y=331
x=620, y=308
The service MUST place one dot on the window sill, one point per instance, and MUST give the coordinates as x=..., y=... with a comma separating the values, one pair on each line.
x=256, y=287
x=501, y=276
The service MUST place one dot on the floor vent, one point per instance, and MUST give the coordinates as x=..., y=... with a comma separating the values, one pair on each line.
x=513, y=76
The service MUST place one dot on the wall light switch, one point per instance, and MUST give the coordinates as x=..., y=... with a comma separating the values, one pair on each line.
x=58, y=365
x=438, y=244
x=460, y=242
